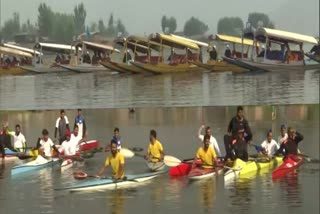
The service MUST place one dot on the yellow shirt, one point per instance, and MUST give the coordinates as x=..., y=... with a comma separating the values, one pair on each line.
x=115, y=163
x=154, y=150
x=206, y=156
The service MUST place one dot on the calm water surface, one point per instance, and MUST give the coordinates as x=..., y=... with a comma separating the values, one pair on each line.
x=177, y=128
x=102, y=90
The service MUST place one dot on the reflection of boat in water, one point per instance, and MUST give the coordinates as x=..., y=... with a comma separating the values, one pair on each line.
x=101, y=52
x=283, y=52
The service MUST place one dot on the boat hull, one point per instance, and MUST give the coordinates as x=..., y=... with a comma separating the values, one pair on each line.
x=43, y=69
x=182, y=169
x=107, y=183
x=129, y=68
x=154, y=167
x=289, y=165
x=162, y=68
x=89, y=145
x=200, y=174
x=33, y=166
x=87, y=68
x=112, y=67
x=219, y=66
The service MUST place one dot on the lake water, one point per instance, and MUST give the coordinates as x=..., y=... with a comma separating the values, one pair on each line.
x=175, y=106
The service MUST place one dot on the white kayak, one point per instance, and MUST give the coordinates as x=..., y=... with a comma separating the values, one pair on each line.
x=39, y=163
x=154, y=167
x=108, y=183
x=66, y=164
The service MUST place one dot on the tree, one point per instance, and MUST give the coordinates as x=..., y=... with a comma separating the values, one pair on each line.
x=255, y=18
x=45, y=19
x=63, y=28
x=230, y=26
x=121, y=28
x=110, y=22
x=172, y=25
x=93, y=26
x=101, y=28
x=28, y=27
x=79, y=18
x=194, y=27
x=163, y=23
x=11, y=26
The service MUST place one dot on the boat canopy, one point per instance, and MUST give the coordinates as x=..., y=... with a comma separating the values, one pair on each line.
x=145, y=42
x=200, y=44
x=131, y=45
x=51, y=47
x=171, y=41
x=283, y=36
x=14, y=52
x=96, y=46
x=233, y=39
x=16, y=47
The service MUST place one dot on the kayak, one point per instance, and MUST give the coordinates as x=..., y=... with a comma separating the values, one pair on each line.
x=290, y=164
x=89, y=145
x=271, y=164
x=240, y=168
x=182, y=169
x=108, y=183
x=158, y=166
x=12, y=155
x=201, y=173
x=39, y=163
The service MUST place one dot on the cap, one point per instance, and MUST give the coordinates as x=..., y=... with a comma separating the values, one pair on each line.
x=68, y=133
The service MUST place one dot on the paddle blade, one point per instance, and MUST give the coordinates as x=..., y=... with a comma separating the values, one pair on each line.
x=171, y=161
x=127, y=153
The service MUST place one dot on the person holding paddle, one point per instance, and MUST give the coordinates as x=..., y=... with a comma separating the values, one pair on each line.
x=283, y=135
x=115, y=161
x=68, y=148
x=269, y=146
x=155, y=150
x=213, y=141
x=45, y=145
x=206, y=156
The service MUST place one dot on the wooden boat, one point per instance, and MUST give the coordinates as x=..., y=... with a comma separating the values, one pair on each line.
x=49, y=67
x=313, y=57
x=39, y=163
x=290, y=164
x=108, y=183
x=158, y=166
x=178, y=62
x=101, y=52
x=142, y=51
x=283, y=58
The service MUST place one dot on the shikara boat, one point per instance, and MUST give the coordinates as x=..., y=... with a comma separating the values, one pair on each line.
x=283, y=52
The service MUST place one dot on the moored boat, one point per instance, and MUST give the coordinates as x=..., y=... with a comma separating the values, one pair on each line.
x=108, y=183
x=290, y=164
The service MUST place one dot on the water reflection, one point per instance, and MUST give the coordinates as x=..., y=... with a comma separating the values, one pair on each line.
x=116, y=201
x=207, y=194
x=290, y=187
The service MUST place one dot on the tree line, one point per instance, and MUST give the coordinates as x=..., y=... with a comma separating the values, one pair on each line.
x=227, y=25
x=60, y=27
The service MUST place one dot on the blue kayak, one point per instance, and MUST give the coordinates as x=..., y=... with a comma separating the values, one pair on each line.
x=108, y=183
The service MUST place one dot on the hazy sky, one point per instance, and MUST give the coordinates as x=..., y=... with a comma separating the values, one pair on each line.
x=143, y=16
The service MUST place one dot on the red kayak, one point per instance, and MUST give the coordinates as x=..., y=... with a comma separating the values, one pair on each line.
x=290, y=164
x=89, y=145
x=182, y=169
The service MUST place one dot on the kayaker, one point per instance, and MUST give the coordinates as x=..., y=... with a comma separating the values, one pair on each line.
x=62, y=124
x=45, y=145
x=76, y=138
x=116, y=161
x=155, y=150
x=116, y=137
x=239, y=146
x=290, y=146
x=5, y=140
x=213, y=141
x=237, y=123
x=19, y=141
x=206, y=154
x=283, y=135
x=81, y=123
x=68, y=147
x=269, y=146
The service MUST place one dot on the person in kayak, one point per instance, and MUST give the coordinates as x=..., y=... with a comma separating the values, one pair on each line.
x=116, y=137
x=239, y=146
x=213, y=141
x=116, y=161
x=19, y=141
x=269, y=146
x=81, y=123
x=290, y=146
x=76, y=138
x=206, y=156
x=155, y=150
x=5, y=140
x=237, y=123
x=62, y=124
x=283, y=135
x=45, y=145
x=68, y=147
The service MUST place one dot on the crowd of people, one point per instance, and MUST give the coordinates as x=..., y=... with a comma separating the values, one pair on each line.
x=236, y=142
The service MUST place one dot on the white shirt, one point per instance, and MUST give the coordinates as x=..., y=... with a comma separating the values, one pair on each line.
x=213, y=143
x=282, y=139
x=271, y=147
x=68, y=148
x=47, y=146
x=75, y=140
x=19, y=141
